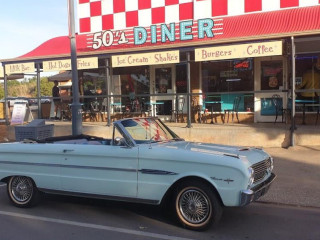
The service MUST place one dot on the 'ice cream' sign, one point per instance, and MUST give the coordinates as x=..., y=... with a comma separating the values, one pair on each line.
x=141, y=59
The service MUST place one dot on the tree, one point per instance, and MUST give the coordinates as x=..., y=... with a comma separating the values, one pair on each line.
x=27, y=88
x=1, y=91
x=45, y=86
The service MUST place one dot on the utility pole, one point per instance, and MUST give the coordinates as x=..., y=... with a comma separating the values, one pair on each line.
x=75, y=106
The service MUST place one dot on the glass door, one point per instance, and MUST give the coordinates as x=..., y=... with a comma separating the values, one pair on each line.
x=163, y=86
x=270, y=80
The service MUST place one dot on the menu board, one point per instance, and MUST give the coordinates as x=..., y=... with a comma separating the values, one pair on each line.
x=21, y=113
x=18, y=113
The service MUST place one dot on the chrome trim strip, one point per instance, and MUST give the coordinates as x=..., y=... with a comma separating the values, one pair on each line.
x=101, y=168
x=30, y=164
x=98, y=196
x=232, y=155
x=69, y=166
x=157, y=172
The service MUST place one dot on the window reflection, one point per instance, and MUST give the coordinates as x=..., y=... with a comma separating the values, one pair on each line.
x=131, y=86
x=230, y=77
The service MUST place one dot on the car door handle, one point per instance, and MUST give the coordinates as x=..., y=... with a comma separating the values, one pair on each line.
x=67, y=150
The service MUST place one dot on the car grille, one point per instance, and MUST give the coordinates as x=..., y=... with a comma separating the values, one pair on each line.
x=260, y=169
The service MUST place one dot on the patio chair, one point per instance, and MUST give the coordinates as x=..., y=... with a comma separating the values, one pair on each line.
x=104, y=108
x=146, y=108
x=277, y=102
x=95, y=110
x=65, y=111
x=234, y=110
x=196, y=110
x=179, y=110
x=104, y=105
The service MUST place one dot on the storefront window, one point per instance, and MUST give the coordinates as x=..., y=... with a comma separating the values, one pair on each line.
x=181, y=78
x=92, y=84
x=163, y=80
x=271, y=75
x=307, y=77
x=131, y=85
x=229, y=76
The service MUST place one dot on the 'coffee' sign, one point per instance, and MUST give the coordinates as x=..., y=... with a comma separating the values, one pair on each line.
x=262, y=49
x=19, y=68
x=59, y=65
x=145, y=59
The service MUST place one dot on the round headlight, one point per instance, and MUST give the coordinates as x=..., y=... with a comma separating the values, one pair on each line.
x=251, y=178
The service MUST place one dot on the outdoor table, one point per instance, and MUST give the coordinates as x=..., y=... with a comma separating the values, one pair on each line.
x=116, y=106
x=304, y=102
x=154, y=106
x=212, y=104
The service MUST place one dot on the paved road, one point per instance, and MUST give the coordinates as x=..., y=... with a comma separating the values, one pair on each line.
x=73, y=218
x=298, y=176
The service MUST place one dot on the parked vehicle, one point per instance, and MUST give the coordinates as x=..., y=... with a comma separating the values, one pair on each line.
x=143, y=162
x=13, y=100
x=32, y=101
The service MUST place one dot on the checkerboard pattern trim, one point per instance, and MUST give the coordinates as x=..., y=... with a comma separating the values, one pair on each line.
x=100, y=15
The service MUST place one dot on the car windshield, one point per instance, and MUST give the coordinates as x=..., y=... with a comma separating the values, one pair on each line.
x=145, y=130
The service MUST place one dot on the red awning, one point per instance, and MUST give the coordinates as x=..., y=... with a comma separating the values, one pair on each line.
x=267, y=25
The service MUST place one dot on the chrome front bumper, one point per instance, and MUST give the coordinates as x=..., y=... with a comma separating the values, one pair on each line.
x=251, y=195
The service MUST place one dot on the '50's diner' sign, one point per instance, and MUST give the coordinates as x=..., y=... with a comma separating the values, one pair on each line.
x=183, y=31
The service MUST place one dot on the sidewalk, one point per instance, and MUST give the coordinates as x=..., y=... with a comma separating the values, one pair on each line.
x=257, y=134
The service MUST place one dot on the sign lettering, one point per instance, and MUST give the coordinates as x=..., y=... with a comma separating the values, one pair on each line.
x=59, y=65
x=163, y=33
x=146, y=59
x=262, y=49
x=18, y=113
x=19, y=68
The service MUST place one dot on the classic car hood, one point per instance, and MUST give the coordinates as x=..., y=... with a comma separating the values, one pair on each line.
x=253, y=155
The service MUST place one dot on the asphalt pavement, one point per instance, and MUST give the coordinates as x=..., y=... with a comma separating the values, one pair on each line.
x=298, y=176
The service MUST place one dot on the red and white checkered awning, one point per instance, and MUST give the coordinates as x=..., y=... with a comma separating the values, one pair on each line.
x=100, y=15
x=256, y=26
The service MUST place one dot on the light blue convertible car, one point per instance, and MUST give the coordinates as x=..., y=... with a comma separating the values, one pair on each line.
x=144, y=162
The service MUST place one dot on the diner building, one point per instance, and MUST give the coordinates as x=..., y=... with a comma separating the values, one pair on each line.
x=188, y=60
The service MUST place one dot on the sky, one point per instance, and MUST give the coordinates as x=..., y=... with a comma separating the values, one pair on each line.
x=26, y=24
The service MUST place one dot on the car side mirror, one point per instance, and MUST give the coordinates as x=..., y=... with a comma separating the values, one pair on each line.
x=118, y=141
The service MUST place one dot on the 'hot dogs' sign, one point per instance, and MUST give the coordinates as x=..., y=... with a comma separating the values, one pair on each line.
x=58, y=65
x=262, y=49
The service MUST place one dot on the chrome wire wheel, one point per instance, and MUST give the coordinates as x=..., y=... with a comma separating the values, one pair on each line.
x=194, y=206
x=21, y=189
